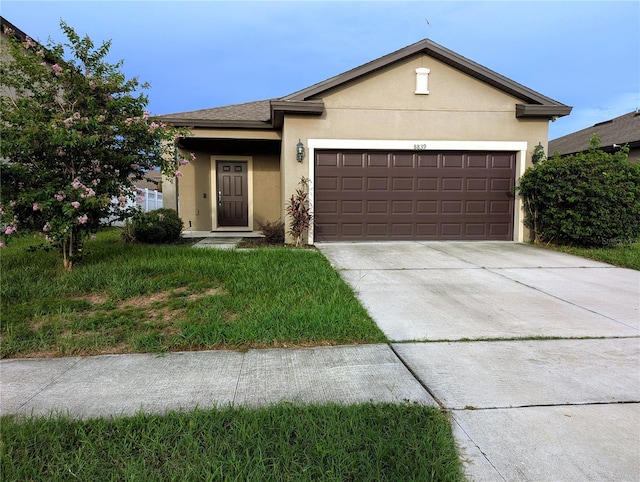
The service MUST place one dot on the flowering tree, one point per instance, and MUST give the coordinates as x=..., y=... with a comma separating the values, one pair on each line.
x=74, y=138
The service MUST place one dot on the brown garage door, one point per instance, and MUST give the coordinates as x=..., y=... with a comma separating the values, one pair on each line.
x=403, y=195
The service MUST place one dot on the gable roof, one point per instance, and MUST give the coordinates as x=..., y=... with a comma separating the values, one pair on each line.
x=620, y=130
x=306, y=100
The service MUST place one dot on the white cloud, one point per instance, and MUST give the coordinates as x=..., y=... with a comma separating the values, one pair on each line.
x=583, y=117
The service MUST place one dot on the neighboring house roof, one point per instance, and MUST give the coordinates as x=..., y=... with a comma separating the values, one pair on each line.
x=253, y=114
x=623, y=130
x=147, y=182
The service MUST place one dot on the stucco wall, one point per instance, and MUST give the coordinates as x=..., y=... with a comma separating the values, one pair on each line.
x=384, y=106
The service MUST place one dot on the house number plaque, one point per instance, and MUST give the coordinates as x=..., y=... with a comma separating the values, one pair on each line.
x=420, y=147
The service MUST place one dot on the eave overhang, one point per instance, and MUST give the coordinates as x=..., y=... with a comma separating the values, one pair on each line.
x=537, y=111
x=300, y=107
x=221, y=124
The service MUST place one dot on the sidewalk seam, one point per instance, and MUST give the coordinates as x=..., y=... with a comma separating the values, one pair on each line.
x=52, y=382
x=235, y=390
x=415, y=375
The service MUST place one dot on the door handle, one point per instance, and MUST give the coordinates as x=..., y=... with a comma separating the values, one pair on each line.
x=219, y=198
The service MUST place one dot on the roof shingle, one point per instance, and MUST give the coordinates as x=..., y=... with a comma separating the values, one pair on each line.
x=621, y=130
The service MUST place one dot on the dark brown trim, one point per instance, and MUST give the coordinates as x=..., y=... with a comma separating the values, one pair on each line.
x=223, y=124
x=536, y=110
x=281, y=107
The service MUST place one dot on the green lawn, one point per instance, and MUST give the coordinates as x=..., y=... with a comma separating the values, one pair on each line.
x=381, y=442
x=140, y=298
x=626, y=256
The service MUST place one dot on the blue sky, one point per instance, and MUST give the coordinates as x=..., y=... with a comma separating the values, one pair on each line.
x=200, y=54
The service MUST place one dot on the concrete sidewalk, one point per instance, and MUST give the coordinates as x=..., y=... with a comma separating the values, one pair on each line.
x=113, y=385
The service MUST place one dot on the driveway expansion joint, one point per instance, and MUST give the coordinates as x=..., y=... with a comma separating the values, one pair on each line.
x=470, y=408
x=415, y=375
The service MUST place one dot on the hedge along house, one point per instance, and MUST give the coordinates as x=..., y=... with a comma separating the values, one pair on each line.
x=419, y=144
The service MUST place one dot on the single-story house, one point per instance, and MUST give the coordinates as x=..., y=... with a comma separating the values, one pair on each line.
x=614, y=133
x=422, y=143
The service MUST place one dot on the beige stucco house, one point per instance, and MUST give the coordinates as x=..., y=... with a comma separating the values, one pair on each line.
x=419, y=144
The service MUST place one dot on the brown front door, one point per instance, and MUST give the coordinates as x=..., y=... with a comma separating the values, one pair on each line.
x=233, y=205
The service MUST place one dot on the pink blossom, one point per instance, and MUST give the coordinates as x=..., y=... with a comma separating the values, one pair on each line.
x=40, y=53
x=57, y=69
x=97, y=169
x=12, y=204
x=90, y=193
x=95, y=182
x=60, y=196
x=76, y=184
x=145, y=114
x=153, y=126
x=29, y=42
x=184, y=162
x=75, y=204
x=46, y=228
x=178, y=174
x=2, y=245
x=193, y=156
x=10, y=229
x=36, y=207
x=83, y=219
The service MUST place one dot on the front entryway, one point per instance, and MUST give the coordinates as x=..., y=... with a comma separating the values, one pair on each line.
x=232, y=195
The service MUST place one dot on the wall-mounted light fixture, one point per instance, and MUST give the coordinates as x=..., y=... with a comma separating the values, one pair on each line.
x=538, y=153
x=299, y=151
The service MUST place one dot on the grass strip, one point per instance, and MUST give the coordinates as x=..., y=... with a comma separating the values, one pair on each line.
x=279, y=443
x=624, y=256
x=129, y=297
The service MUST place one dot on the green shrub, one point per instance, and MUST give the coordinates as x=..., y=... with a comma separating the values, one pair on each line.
x=157, y=227
x=586, y=199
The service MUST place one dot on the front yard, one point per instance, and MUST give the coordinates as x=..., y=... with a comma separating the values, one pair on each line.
x=135, y=298
x=139, y=298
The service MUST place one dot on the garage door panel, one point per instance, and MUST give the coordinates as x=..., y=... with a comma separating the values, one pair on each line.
x=352, y=184
x=452, y=160
x=379, y=195
x=351, y=160
x=378, y=183
x=402, y=183
x=427, y=207
x=378, y=160
x=326, y=183
x=327, y=159
x=452, y=184
x=403, y=160
x=378, y=207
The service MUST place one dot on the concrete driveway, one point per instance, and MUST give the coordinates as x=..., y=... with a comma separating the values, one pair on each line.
x=536, y=354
